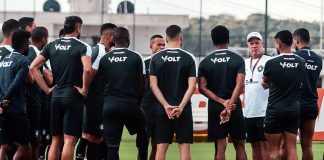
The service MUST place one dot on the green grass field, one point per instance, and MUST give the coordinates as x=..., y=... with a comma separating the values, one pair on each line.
x=199, y=150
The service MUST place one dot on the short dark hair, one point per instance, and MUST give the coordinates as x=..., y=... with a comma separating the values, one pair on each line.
x=285, y=37
x=70, y=23
x=107, y=26
x=302, y=34
x=220, y=35
x=62, y=32
x=26, y=21
x=173, y=31
x=20, y=38
x=156, y=36
x=39, y=33
x=120, y=36
x=10, y=26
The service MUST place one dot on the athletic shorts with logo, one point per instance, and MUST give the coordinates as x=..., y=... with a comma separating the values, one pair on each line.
x=92, y=116
x=182, y=127
x=34, y=117
x=14, y=128
x=119, y=112
x=308, y=111
x=254, y=129
x=279, y=121
x=234, y=127
x=67, y=113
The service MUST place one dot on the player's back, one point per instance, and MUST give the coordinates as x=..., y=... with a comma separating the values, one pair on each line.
x=313, y=70
x=65, y=58
x=12, y=66
x=119, y=73
x=285, y=74
x=173, y=67
x=220, y=68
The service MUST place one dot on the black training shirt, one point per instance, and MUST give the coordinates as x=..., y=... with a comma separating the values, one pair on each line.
x=33, y=90
x=13, y=73
x=120, y=71
x=5, y=50
x=96, y=88
x=149, y=100
x=67, y=68
x=285, y=73
x=172, y=68
x=220, y=69
x=313, y=70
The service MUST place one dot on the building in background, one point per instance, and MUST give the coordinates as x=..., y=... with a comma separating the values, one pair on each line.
x=140, y=26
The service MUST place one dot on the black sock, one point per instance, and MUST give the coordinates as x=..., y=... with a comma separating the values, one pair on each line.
x=80, y=149
x=112, y=153
x=103, y=150
x=142, y=144
x=93, y=151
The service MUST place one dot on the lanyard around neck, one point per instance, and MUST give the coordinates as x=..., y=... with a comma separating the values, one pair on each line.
x=253, y=68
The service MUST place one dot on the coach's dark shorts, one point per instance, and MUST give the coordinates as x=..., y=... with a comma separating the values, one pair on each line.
x=66, y=116
x=165, y=128
x=34, y=117
x=118, y=112
x=14, y=128
x=92, y=116
x=234, y=127
x=254, y=129
x=308, y=111
x=276, y=122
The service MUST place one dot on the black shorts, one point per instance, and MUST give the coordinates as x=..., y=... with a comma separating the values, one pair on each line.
x=165, y=128
x=34, y=117
x=276, y=122
x=254, y=129
x=14, y=128
x=46, y=101
x=308, y=112
x=66, y=116
x=92, y=116
x=150, y=125
x=234, y=127
x=118, y=112
x=149, y=105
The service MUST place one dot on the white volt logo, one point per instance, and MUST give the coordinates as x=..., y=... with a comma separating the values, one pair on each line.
x=170, y=59
x=308, y=66
x=5, y=64
x=220, y=60
x=117, y=59
x=62, y=47
x=289, y=65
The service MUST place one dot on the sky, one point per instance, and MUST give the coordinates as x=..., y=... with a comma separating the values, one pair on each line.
x=309, y=10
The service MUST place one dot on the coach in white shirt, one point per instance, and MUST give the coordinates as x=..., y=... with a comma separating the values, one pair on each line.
x=255, y=97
